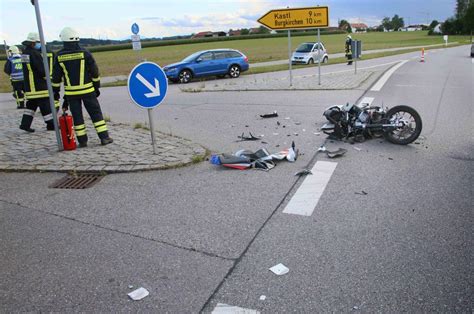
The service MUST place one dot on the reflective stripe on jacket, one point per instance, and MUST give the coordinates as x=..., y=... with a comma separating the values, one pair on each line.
x=14, y=68
x=78, y=69
x=34, y=76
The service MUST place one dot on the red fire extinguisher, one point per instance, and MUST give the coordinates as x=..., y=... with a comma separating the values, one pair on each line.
x=67, y=132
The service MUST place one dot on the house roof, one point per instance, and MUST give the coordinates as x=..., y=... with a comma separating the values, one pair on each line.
x=359, y=25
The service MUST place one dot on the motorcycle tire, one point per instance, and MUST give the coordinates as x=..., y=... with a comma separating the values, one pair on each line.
x=394, y=135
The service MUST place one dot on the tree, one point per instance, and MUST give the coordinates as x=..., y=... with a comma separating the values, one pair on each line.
x=433, y=24
x=397, y=22
x=461, y=8
x=469, y=19
x=386, y=23
x=244, y=31
x=345, y=26
x=263, y=30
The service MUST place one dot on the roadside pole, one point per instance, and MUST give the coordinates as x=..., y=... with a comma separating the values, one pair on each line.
x=289, y=57
x=319, y=57
x=355, y=59
x=137, y=46
x=47, y=71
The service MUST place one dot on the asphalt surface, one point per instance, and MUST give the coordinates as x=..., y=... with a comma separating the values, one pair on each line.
x=202, y=235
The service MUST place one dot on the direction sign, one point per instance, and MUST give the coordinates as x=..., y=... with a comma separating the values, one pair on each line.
x=298, y=18
x=135, y=28
x=147, y=85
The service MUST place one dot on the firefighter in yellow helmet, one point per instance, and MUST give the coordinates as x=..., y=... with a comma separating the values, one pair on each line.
x=349, y=49
x=81, y=85
x=14, y=69
x=36, y=88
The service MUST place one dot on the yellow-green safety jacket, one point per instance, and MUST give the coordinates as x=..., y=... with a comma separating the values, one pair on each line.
x=34, y=74
x=79, y=70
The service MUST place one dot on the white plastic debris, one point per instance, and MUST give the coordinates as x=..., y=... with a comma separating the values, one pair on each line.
x=357, y=148
x=138, y=294
x=279, y=269
x=316, y=133
x=263, y=297
x=130, y=286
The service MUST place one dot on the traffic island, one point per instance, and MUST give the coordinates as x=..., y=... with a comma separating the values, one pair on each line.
x=131, y=150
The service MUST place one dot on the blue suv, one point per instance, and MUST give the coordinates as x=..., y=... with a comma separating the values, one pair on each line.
x=219, y=62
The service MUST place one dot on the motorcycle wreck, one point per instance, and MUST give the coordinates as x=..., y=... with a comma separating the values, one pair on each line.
x=399, y=125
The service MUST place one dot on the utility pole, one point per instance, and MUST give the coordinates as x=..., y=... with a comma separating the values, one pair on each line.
x=47, y=71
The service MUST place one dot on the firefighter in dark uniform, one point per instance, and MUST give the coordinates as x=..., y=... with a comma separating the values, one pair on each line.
x=14, y=69
x=81, y=85
x=349, y=49
x=36, y=88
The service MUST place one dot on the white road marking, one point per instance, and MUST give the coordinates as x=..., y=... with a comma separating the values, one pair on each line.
x=222, y=308
x=367, y=101
x=381, y=82
x=308, y=194
x=344, y=71
x=472, y=60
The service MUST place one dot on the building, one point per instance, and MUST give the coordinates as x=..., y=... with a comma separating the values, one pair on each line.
x=412, y=28
x=359, y=27
x=209, y=34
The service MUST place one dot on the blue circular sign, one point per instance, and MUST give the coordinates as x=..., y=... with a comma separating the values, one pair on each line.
x=147, y=85
x=135, y=28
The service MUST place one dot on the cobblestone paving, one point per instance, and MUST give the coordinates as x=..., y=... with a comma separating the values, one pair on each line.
x=332, y=81
x=130, y=151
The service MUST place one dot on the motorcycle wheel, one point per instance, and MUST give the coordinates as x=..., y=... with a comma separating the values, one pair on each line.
x=411, y=128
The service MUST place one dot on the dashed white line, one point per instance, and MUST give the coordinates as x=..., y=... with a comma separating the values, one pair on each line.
x=308, y=194
x=222, y=308
x=381, y=82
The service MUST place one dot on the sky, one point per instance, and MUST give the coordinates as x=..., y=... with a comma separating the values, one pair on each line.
x=112, y=19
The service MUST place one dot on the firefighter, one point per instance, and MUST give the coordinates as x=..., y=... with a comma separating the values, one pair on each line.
x=36, y=88
x=349, y=49
x=14, y=69
x=81, y=85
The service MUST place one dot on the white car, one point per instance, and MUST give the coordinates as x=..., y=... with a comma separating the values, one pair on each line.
x=307, y=53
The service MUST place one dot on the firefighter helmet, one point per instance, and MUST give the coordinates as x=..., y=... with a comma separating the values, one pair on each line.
x=68, y=34
x=32, y=37
x=14, y=50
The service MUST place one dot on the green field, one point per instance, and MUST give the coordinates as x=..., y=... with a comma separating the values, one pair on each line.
x=121, y=62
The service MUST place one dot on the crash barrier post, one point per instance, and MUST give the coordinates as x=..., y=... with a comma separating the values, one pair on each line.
x=422, y=55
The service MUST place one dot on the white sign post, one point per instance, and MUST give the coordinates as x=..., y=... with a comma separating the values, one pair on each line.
x=445, y=37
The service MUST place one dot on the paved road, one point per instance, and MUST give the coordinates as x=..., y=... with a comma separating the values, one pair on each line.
x=202, y=235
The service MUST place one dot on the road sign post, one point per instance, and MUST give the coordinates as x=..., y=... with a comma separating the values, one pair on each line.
x=47, y=70
x=319, y=58
x=147, y=87
x=297, y=18
x=289, y=57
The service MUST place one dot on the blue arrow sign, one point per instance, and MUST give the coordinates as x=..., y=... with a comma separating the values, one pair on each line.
x=147, y=85
x=135, y=28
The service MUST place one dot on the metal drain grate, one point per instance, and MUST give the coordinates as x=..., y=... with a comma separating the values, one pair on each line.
x=79, y=181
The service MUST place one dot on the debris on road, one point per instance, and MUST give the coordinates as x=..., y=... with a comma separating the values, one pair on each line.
x=337, y=153
x=303, y=172
x=261, y=159
x=279, y=269
x=251, y=137
x=130, y=286
x=269, y=115
x=361, y=193
x=138, y=294
x=262, y=297
x=316, y=133
x=357, y=148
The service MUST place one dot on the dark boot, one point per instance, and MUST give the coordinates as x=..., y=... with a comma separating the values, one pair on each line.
x=50, y=126
x=82, y=141
x=25, y=124
x=105, y=141
x=27, y=129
